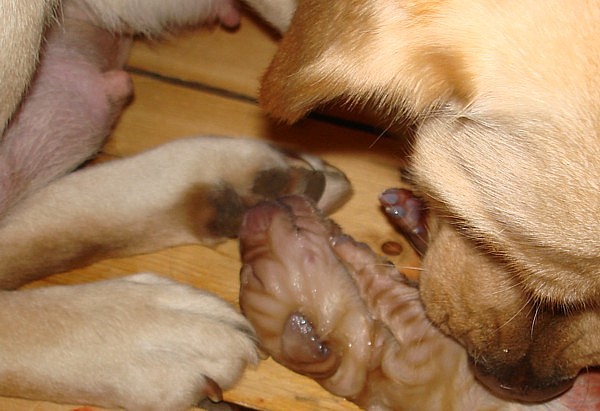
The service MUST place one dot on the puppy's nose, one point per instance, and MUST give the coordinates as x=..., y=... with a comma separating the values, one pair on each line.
x=518, y=383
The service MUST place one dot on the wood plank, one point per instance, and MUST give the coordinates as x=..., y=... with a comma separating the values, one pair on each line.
x=231, y=60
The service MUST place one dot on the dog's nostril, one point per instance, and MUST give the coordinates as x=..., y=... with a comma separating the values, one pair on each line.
x=519, y=384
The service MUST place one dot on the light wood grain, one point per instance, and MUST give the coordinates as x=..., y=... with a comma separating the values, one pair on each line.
x=205, y=82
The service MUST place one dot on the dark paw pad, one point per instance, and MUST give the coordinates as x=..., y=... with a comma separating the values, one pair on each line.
x=274, y=183
x=213, y=211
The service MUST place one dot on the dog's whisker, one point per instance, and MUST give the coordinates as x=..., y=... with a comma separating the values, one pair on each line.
x=379, y=136
x=505, y=288
x=535, y=316
x=409, y=267
x=507, y=285
x=519, y=311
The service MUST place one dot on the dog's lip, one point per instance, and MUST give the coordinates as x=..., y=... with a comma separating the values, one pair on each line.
x=518, y=384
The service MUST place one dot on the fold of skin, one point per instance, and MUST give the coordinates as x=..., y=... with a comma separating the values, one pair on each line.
x=328, y=307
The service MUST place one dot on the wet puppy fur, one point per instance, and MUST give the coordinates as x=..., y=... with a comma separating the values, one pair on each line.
x=504, y=98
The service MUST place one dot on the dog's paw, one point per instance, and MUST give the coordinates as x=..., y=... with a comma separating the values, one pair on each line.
x=193, y=190
x=238, y=173
x=140, y=342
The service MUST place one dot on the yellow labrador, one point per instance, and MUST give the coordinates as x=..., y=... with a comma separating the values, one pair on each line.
x=505, y=97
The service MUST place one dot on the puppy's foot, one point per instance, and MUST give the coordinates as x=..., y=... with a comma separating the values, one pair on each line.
x=141, y=342
x=407, y=213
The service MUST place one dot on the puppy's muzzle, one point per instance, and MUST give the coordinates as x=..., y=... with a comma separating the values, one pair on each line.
x=518, y=383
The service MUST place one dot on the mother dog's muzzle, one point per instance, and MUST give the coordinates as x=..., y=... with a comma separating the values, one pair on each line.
x=515, y=383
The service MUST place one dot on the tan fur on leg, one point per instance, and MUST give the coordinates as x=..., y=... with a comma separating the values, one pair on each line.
x=141, y=342
x=187, y=191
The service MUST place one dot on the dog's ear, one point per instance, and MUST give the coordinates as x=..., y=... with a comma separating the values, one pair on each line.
x=380, y=50
x=296, y=80
x=317, y=60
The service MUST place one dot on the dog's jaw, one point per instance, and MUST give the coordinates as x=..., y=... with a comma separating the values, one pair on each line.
x=520, y=348
x=515, y=384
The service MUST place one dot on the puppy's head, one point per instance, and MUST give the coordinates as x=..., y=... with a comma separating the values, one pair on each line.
x=513, y=268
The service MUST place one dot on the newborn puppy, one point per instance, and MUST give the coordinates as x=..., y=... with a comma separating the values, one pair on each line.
x=506, y=110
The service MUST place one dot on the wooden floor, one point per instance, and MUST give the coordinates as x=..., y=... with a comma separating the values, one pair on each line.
x=205, y=82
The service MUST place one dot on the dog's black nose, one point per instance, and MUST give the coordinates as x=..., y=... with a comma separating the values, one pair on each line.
x=518, y=383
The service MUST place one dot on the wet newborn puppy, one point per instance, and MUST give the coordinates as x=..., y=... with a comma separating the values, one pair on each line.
x=505, y=104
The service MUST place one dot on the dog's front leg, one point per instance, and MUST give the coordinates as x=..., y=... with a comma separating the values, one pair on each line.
x=188, y=191
x=141, y=342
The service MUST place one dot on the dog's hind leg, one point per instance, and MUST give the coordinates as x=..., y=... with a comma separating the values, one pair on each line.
x=188, y=191
x=74, y=99
x=154, y=16
x=79, y=88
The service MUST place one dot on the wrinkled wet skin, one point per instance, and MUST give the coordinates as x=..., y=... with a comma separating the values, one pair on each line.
x=328, y=307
